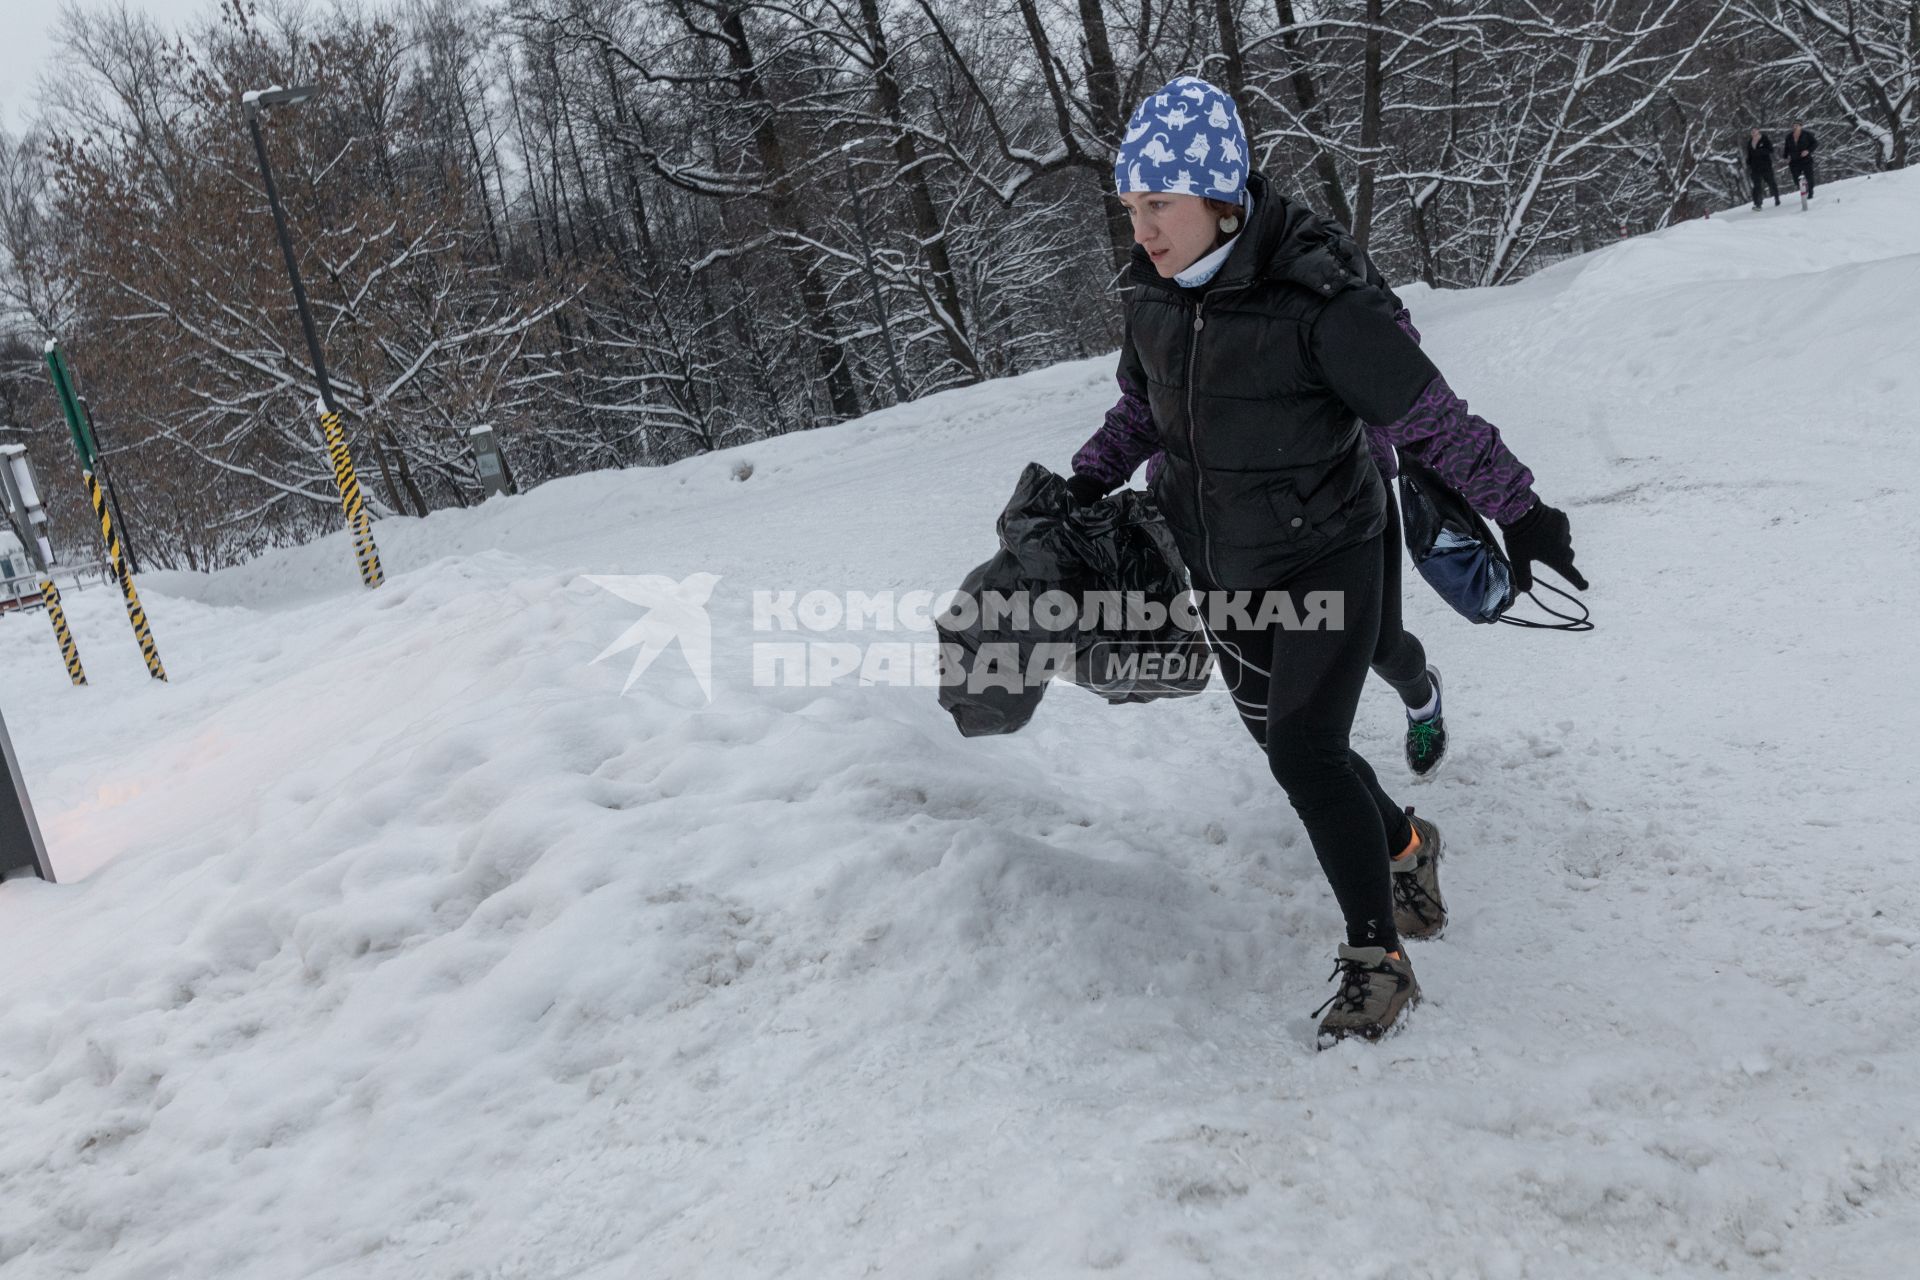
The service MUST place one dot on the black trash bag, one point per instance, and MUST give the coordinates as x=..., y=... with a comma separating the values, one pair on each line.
x=1115, y=567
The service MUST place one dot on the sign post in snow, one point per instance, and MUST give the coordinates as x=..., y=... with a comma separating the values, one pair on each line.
x=83, y=444
x=488, y=462
x=21, y=848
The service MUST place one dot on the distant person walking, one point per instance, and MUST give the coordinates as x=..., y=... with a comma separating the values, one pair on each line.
x=1800, y=146
x=1760, y=166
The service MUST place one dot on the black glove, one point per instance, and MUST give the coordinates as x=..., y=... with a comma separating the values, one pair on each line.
x=1541, y=534
x=1085, y=490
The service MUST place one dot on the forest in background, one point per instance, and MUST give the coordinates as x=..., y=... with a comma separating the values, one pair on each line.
x=621, y=232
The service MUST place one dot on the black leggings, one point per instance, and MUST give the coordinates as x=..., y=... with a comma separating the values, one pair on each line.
x=1803, y=169
x=1763, y=175
x=1296, y=690
x=1398, y=657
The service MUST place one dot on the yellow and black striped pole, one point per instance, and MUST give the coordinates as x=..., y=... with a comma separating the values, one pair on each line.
x=359, y=523
x=62, y=634
x=20, y=512
x=116, y=555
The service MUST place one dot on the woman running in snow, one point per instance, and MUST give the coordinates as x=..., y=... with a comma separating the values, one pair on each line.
x=1258, y=341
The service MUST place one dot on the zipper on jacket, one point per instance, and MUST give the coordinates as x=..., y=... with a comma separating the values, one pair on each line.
x=1193, y=442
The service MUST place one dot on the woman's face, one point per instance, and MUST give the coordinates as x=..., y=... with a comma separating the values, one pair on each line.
x=1176, y=231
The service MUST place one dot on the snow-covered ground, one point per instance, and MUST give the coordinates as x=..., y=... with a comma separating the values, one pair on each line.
x=395, y=942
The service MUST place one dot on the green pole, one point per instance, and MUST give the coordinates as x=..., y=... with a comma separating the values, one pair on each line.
x=70, y=405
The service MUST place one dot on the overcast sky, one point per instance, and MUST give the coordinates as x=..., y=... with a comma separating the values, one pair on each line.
x=26, y=43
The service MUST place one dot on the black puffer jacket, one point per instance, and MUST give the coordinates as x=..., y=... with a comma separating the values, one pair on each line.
x=1258, y=382
x=1792, y=147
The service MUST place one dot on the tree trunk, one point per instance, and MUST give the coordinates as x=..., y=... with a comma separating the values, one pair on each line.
x=573, y=149
x=926, y=219
x=479, y=172
x=1119, y=235
x=636, y=200
x=1422, y=239
x=829, y=355
x=533, y=185
x=878, y=298
x=1234, y=63
x=1304, y=93
x=1371, y=91
x=406, y=477
x=1110, y=117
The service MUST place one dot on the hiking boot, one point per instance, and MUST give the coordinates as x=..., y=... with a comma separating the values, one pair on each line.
x=1427, y=739
x=1418, y=909
x=1375, y=989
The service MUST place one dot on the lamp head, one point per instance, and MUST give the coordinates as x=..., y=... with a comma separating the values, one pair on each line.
x=254, y=99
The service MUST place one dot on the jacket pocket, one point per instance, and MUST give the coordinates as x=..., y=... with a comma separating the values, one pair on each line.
x=1302, y=524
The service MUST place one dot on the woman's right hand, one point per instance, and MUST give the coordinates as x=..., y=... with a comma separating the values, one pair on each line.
x=1085, y=490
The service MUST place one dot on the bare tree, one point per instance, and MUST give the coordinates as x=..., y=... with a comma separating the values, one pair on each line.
x=625, y=231
x=1863, y=56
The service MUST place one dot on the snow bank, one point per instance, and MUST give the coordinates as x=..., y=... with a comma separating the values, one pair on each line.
x=395, y=942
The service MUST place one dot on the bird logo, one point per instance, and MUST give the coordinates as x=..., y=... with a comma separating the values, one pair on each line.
x=675, y=612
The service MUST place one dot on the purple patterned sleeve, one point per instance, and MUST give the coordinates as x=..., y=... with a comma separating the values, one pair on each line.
x=1125, y=440
x=1463, y=447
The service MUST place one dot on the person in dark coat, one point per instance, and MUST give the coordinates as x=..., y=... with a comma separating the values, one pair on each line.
x=1399, y=658
x=1760, y=166
x=1260, y=355
x=1800, y=145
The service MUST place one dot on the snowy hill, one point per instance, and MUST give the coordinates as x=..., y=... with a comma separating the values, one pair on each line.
x=395, y=942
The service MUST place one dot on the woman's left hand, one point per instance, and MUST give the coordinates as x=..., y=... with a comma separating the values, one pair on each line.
x=1542, y=534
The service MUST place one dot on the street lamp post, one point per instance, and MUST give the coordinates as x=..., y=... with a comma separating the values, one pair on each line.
x=351, y=501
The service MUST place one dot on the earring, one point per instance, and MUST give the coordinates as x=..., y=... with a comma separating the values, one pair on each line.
x=1230, y=224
